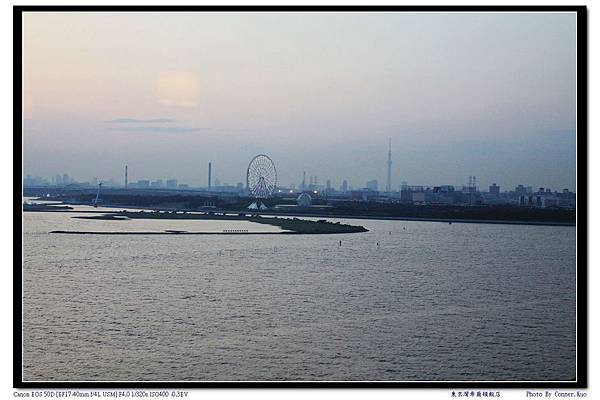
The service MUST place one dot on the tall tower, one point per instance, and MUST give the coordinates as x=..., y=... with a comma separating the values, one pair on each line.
x=125, y=176
x=303, y=180
x=209, y=174
x=388, y=184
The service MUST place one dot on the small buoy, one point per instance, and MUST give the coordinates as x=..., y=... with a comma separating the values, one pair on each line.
x=340, y=243
x=377, y=244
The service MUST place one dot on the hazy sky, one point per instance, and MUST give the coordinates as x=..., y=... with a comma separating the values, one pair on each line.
x=491, y=95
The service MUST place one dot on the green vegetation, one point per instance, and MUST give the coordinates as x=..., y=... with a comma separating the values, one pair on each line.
x=304, y=226
x=294, y=225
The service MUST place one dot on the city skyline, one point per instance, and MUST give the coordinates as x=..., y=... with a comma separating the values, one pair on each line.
x=486, y=94
x=338, y=184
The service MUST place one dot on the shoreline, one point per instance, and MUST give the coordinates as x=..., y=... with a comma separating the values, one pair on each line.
x=196, y=233
x=270, y=213
x=443, y=220
x=319, y=215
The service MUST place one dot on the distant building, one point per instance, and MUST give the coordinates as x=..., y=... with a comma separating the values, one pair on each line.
x=157, y=184
x=446, y=194
x=171, y=183
x=345, y=186
x=405, y=195
x=143, y=184
x=538, y=201
x=418, y=197
x=183, y=186
x=566, y=198
x=372, y=185
x=328, y=188
x=443, y=189
x=520, y=191
x=495, y=190
x=550, y=201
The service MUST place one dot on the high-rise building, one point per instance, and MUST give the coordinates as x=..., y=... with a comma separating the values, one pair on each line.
x=209, y=175
x=345, y=186
x=125, y=176
x=171, y=183
x=372, y=185
x=405, y=194
x=495, y=190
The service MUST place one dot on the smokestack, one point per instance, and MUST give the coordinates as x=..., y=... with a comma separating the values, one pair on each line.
x=303, y=180
x=388, y=184
x=209, y=175
x=125, y=176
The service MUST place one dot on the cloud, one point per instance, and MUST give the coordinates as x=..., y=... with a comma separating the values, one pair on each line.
x=134, y=120
x=138, y=125
x=159, y=129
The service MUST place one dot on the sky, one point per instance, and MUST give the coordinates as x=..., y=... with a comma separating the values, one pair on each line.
x=459, y=94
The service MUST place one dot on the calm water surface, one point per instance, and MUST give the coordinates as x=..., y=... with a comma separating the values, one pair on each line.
x=432, y=302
